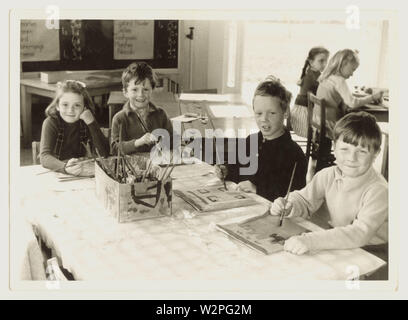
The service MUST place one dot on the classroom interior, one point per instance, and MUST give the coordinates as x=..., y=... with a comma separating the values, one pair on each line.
x=231, y=57
x=218, y=66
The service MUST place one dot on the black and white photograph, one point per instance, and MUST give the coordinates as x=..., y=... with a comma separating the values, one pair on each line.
x=179, y=153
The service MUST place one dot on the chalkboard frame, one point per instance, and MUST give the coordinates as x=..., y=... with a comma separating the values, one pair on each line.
x=158, y=64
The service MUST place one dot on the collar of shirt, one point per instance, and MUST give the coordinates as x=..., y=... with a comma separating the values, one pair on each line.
x=315, y=73
x=128, y=109
x=349, y=183
x=284, y=137
x=336, y=79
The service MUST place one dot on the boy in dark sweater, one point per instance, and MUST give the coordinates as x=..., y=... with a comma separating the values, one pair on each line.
x=276, y=153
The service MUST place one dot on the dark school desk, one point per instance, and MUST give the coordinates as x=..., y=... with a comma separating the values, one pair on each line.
x=185, y=246
x=378, y=111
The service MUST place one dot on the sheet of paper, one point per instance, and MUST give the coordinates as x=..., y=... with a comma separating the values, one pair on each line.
x=184, y=118
x=133, y=39
x=214, y=197
x=38, y=42
x=263, y=233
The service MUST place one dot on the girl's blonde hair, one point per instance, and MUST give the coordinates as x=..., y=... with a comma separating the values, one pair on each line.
x=337, y=61
x=69, y=86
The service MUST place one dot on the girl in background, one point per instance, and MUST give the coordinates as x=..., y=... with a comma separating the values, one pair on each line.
x=315, y=63
x=337, y=96
x=334, y=90
x=69, y=126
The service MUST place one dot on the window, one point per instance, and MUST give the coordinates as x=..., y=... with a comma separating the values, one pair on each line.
x=280, y=48
x=232, y=54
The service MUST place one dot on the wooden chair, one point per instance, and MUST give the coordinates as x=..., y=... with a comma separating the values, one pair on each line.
x=301, y=141
x=317, y=142
x=35, y=148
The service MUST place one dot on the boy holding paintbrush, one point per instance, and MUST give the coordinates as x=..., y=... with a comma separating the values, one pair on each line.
x=139, y=116
x=276, y=152
x=356, y=196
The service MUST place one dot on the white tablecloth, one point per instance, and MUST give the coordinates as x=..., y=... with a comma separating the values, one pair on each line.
x=93, y=246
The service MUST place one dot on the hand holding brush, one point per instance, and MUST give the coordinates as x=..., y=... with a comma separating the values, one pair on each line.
x=287, y=196
x=281, y=206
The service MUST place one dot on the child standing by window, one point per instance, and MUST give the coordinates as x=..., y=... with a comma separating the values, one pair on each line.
x=69, y=125
x=356, y=196
x=139, y=116
x=334, y=90
x=315, y=63
x=276, y=152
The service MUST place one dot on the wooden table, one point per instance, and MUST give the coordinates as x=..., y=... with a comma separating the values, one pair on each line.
x=378, y=111
x=226, y=116
x=96, y=86
x=186, y=246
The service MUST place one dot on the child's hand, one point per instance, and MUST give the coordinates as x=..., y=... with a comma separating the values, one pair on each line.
x=87, y=169
x=148, y=139
x=377, y=96
x=221, y=171
x=87, y=116
x=278, y=205
x=247, y=186
x=72, y=168
x=295, y=245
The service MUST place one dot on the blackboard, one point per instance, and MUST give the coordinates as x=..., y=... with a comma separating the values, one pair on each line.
x=94, y=49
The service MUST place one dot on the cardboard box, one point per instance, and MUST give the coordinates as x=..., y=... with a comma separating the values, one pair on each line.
x=54, y=76
x=132, y=202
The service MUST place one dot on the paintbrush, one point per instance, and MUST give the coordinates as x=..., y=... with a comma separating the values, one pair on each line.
x=64, y=167
x=170, y=171
x=287, y=196
x=104, y=168
x=73, y=178
x=118, y=157
x=167, y=167
x=219, y=161
x=145, y=173
x=128, y=164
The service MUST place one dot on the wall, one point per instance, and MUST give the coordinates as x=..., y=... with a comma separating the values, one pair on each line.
x=210, y=56
x=199, y=47
x=216, y=53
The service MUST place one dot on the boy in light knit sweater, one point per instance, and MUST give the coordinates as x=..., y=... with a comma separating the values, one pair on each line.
x=356, y=195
